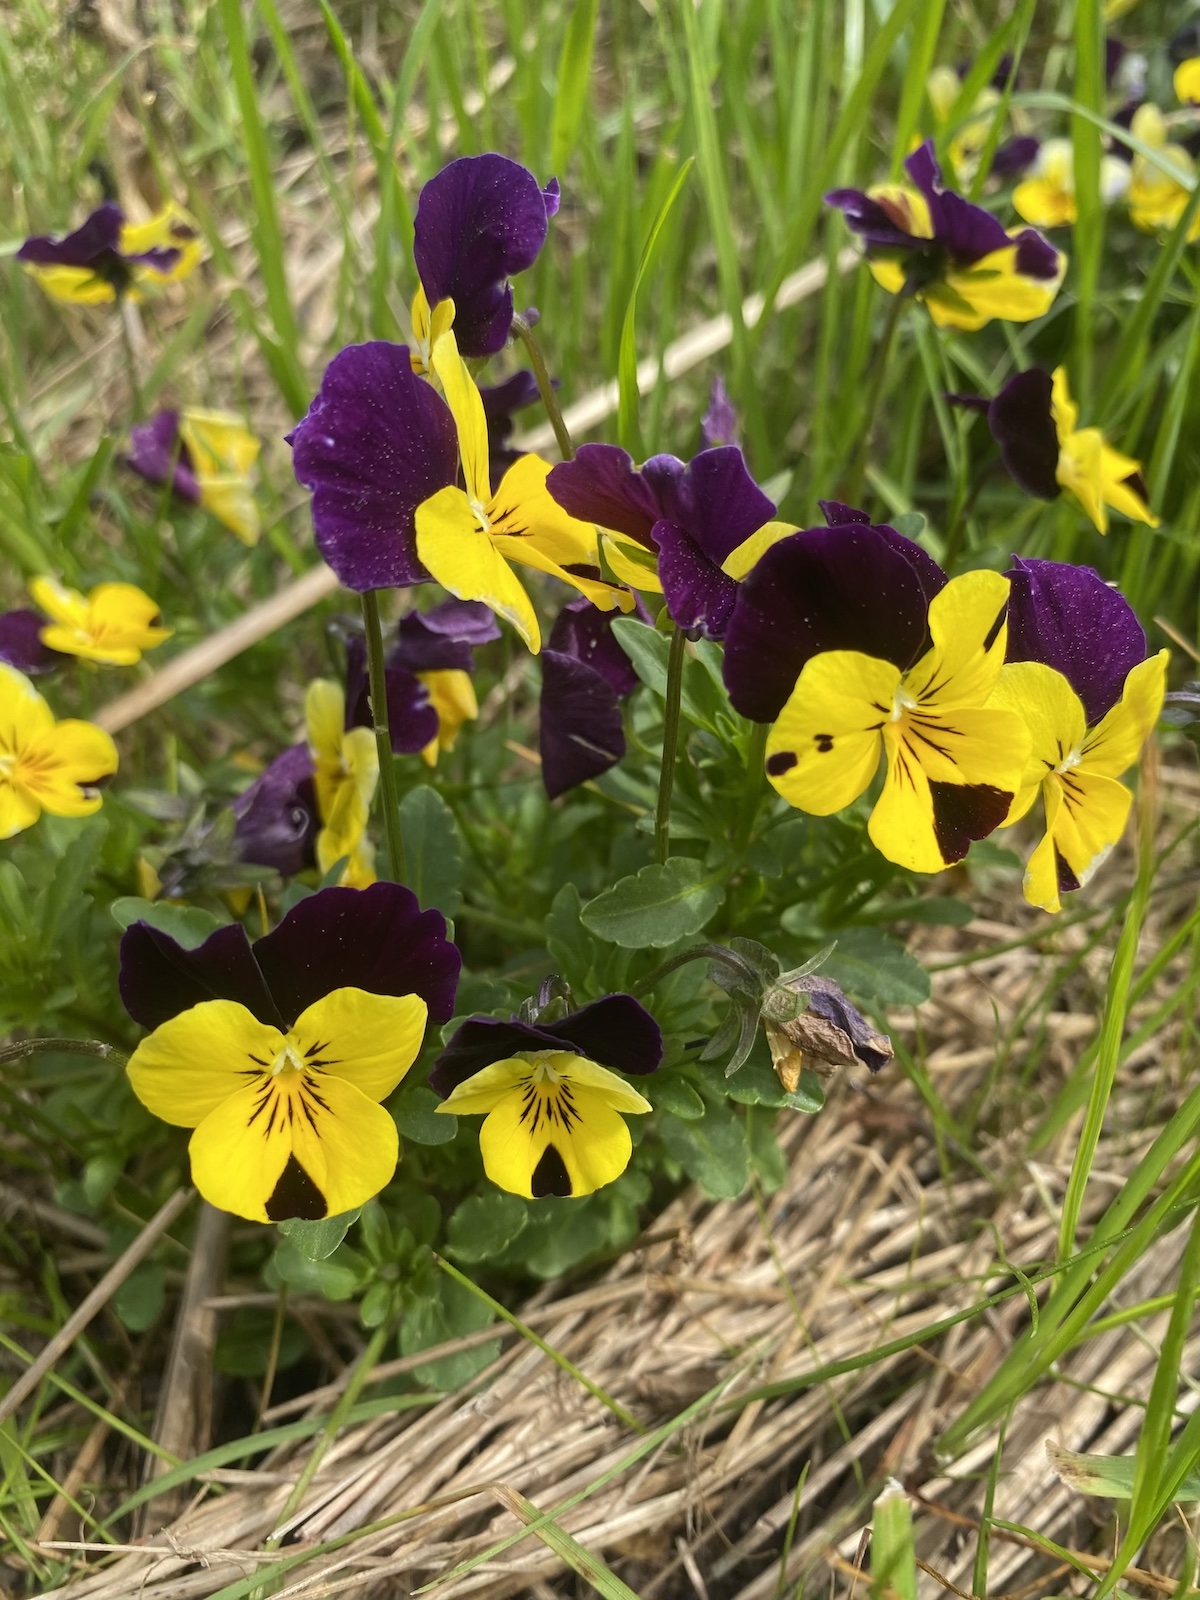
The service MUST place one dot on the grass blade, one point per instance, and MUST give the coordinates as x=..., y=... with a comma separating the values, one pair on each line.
x=574, y=76
x=628, y=427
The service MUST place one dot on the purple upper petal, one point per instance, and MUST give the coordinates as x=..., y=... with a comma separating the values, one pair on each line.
x=1022, y=425
x=603, y=486
x=481, y=219
x=837, y=514
x=697, y=592
x=1015, y=155
x=584, y=631
x=376, y=939
x=873, y=222
x=1069, y=618
x=580, y=730
x=514, y=394
x=95, y=244
x=719, y=425
x=376, y=442
x=21, y=643
x=445, y=638
x=412, y=719
x=847, y=587
x=614, y=1031
x=714, y=500
x=967, y=231
x=161, y=456
x=277, y=819
x=159, y=978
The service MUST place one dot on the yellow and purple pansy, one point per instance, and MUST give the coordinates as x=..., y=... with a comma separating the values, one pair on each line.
x=955, y=257
x=207, y=457
x=107, y=257
x=671, y=527
x=1034, y=421
x=345, y=773
x=1159, y=191
x=279, y=1053
x=276, y=817
x=1047, y=196
x=585, y=676
x=1078, y=674
x=479, y=221
x=46, y=765
x=554, y=1108
x=112, y=624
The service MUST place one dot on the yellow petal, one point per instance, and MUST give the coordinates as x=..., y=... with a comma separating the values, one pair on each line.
x=969, y=632
x=194, y=1062
x=1116, y=741
x=231, y=501
x=824, y=748
x=452, y=696
x=428, y=328
x=61, y=768
x=462, y=558
x=18, y=808
x=907, y=207
x=1053, y=714
x=370, y=1040
x=466, y=407
x=218, y=442
x=172, y=228
x=65, y=606
x=1044, y=203
x=993, y=287
x=1040, y=886
x=113, y=624
x=1187, y=81
x=325, y=720
x=632, y=563
x=1085, y=817
x=78, y=286
x=484, y=1090
x=739, y=562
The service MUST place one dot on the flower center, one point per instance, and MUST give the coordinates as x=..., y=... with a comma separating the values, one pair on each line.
x=902, y=701
x=479, y=512
x=287, y=1059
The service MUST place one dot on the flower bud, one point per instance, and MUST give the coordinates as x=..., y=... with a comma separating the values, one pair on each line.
x=809, y=1021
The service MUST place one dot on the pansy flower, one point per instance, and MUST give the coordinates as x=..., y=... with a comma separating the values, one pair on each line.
x=1047, y=195
x=113, y=624
x=585, y=676
x=467, y=537
x=22, y=645
x=944, y=88
x=279, y=1053
x=428, y=675
x=1034, y=421
x=345, y=773
x=46, y=765
x=1187, y=81
x=1078, y=675
x=670, y=526
x=1158, y=198
x=276, y=818
x=208, y=458
x=954, y=256
x=479, y=221
x=375, y=443
x=553, y=1108
x=107, y=257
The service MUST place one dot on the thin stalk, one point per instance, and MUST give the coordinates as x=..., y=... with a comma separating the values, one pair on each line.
x=388, y=794
x=65, y=1047
x=699, y=952
x=541, y=373
x=752, y=793
x=670, y=749
x=135, y=386
x=859, y=464
x=268, y=1383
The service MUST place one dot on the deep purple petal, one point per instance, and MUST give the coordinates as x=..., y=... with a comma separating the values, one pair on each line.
x=697, y=592
x=514, y=394
x=1036, y=256
x=445, y=638
x=714, y=500
x=839, y=588
x=277, y=820
x=479, y=221
x=1069, y=618
x=1015, y=155
x=412, y=720
x=871, y=221
x=377, y=939
x=967, y=231
x=159, y=978
x=614, y=1031
x=95, y=244
x=1023, y=426
x=580, y=731
x=837, y=515
x=584, y=631
x=603, y=486
x=552, y=196
x=161, y=456
x=719, y=424
x=376, y=442
x=21, y=644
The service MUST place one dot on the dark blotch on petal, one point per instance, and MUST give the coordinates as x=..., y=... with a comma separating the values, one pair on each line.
x=550, y=1176
x=1068, y=617
x=376, y=442
x=843, y=588
x=1022, y=425
x=782, y=761
x=296, y=1195
x=1067, y=881
x=159, y=978
x=963, y=812
x=1036, y=256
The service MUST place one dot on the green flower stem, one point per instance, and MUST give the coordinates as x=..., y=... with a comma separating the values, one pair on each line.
x=752, y=794
x=136, y=405
x=854, y=477
x=65, y=1047
x=541, y=373
x=699, y=952
x=670, y=749
x=389, y=796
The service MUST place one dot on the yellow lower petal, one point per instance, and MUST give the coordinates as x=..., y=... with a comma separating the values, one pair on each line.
x=18, y=808
x=73, y=285
x=824, y=748
x=194, y=1062
x=591, y=1148
x=462, y=558
x=61, y=767
x=1116, y=742
x=370, y=1040
x=632, y=564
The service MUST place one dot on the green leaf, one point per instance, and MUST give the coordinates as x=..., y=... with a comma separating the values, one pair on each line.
x=376, y=1305
x=656, y=906
x=712, y=1151
x=317, y=1240
x=443, y=1311
x=756, y=1084
x=766, y=1157
x=1109, y=1477
x=432, y=850
x=415, y=1113
x=574, y=76
x=893, y=1554
x=484, y=1225
x=703, y=698
x=935, y=908
x=140, y=1298
x=333, y=1279
x=674, y=1094
x=187, y=925
x=909, y=523
x=647, y=650
x=871, y=965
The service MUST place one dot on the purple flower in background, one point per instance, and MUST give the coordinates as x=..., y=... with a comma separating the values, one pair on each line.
x=585, y=676
x=375, y=443
x=377, y=939
x=719, y=424
x=107, y=257
x=693, y=516
x=429, y=693
x=1015, y=155
x=21, y=643
x=500, y=401
x=1068, y=618
x=277, y=816
x=849, y=586
x=479, y=221
x=614, y=1032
